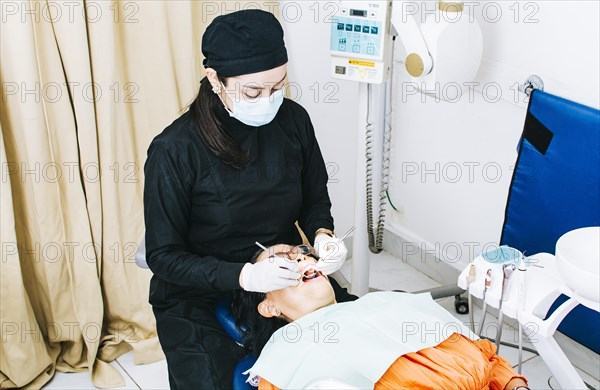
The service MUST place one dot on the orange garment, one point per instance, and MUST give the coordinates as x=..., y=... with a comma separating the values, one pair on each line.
x=456, y=363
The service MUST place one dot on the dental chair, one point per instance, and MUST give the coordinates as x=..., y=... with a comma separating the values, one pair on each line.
x=227, y=322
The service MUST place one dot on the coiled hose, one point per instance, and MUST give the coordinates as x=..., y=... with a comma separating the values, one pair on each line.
x=376, y=237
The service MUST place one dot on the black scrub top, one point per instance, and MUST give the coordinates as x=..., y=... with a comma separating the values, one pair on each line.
x=202, y=216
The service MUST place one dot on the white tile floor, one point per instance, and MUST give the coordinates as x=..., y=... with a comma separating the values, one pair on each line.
x=387, y=273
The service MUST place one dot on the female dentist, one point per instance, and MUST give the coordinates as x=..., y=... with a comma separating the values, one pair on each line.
x=241, y=165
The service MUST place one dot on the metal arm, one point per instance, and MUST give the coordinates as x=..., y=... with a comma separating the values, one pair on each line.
x=403, y=25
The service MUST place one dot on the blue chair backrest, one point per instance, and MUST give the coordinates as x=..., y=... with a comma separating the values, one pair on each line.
x=556, y=188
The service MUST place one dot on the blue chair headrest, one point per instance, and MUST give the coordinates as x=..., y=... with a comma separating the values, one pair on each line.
x=227, y=321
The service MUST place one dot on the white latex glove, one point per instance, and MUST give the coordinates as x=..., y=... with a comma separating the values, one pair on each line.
x=270, y=274
x=332, y=253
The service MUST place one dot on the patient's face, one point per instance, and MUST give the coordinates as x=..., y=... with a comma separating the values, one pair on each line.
x=313, y=292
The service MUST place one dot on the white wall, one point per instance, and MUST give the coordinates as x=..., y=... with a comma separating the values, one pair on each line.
x=557, y=40
x=456, y=215
x=331, y=103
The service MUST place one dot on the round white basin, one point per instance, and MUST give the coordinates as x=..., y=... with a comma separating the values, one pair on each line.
x=578, y=261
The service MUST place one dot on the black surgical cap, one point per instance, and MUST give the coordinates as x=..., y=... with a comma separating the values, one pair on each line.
x=244, y=42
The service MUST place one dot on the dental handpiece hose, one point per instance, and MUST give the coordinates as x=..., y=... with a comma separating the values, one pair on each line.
x=488, y=283
x=470, y=279
x=521, y=307
x=507, y=270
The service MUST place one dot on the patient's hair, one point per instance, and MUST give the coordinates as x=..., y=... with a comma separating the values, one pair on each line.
x=256, y=329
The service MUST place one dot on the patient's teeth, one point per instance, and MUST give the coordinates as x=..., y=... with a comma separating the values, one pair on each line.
x=310, y=273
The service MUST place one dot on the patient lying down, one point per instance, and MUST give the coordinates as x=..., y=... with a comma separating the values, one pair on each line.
x=303, y=336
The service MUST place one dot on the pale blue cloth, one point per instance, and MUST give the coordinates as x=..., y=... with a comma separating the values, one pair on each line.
x=502, y=255
x=355, y=342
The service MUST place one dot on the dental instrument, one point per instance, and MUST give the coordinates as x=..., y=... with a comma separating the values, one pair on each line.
x=544, y=281
x=488, y=282
x=261, y=246
x=341, y=238
x=507, y=270
x=470, y=279
x=346, y=235
x=521, y=304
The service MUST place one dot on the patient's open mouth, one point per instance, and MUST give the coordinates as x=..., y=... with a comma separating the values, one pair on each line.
x=310, y=273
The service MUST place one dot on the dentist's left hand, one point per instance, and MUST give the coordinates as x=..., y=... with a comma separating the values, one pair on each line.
x=332, y=254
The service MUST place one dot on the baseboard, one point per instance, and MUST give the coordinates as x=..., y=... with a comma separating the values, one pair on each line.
x=418, y=257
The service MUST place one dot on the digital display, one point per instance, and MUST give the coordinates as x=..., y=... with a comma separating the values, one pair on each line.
x=340, y=69
x=358, y=12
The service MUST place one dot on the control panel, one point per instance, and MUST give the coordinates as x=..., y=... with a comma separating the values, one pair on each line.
x=360, y=44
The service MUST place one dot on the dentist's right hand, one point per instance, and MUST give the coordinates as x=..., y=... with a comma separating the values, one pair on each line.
x=273, y=273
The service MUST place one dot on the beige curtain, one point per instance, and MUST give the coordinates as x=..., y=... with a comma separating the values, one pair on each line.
x=85, y=87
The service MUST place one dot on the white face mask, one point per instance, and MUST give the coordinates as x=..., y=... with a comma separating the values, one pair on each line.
x=256, y=112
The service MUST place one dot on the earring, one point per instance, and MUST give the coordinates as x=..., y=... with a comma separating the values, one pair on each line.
x=278, y=312
x=216, y=90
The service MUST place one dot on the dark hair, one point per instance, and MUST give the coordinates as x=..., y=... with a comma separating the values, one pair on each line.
x=215, y=136
x=257, y=329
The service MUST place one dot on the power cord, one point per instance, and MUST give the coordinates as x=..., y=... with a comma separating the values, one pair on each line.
x=390, y=201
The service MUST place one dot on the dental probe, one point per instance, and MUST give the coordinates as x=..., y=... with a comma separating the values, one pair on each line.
x=342, y=237
x=507, y=270
x=261, y=246
x=488, y=282
x=346, y=235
